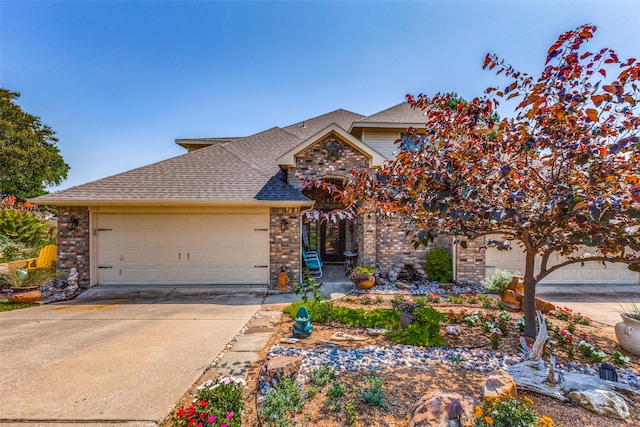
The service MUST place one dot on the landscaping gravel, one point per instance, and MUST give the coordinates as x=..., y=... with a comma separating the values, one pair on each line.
x=424, y=287
x=375, y=358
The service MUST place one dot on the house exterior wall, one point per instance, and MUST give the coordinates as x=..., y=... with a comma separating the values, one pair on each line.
x=382, y=140
x=73, y=242
x=393, y=245
x=470, y=261
x=284, y=245
x=314, y=164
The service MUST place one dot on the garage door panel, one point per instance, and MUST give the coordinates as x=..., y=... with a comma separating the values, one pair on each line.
x=592, y=272
x=183, y=248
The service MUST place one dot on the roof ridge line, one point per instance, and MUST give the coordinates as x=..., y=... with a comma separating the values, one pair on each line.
x=230, y=148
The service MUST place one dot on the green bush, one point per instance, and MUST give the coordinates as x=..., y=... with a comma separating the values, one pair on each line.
x=439, y=265
x=325, y=312
x=23, y=226
x=424, y=331
x=509, y=412
x=497, y=283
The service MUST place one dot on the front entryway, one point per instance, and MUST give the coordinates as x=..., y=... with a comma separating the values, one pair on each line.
x=333, y=241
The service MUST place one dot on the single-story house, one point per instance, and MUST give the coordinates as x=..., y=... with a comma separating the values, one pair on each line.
x=231, y=210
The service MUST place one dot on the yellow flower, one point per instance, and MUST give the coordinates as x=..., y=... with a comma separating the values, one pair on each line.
x=545, y=421
x=488, y=420
x=478, y=412
x=528, y=400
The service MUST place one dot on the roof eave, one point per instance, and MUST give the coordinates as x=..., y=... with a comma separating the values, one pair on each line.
x=171, y=202
x=417, y=125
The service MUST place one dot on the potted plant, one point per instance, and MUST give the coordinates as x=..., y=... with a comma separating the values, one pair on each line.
x=628, y=331
x=363, y=276
x=24, y=285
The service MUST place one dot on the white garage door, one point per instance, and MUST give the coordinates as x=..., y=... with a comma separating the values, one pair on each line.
x=592, y=273
x=185, y=249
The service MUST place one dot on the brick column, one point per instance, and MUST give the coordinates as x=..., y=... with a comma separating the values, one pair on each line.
x=470, y=262
x=284, y=244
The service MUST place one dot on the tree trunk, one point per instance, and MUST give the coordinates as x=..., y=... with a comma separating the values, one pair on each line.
x=529, y=303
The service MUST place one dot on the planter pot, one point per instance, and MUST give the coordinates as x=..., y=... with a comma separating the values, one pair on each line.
x=628, y=334
x=406, y=319
x=366, y=284
x=25, y=295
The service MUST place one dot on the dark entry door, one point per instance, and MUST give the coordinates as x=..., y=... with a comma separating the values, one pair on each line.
x=332, y=241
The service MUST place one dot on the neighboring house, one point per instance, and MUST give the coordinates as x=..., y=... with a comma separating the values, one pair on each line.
x=231, y=210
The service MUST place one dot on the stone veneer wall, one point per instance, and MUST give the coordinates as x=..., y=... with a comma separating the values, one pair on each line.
x=470, y=262
x=73, y=244
x=284, y=246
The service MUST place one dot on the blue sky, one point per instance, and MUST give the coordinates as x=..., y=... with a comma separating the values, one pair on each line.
x=120, y=81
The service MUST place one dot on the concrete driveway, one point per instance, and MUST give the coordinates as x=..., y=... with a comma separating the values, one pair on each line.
x=114, y=355
x=601, y=303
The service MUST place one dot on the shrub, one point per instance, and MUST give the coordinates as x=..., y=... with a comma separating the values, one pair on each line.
x=22, y=223
x=372, y=391
x=439, y=265
x=282, y=400
x=309, y=285
x=424, y=331
x=216, y=403
x=509, y=412
x=497, y=283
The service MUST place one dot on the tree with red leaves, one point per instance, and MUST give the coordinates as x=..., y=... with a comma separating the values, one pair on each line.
x=561, y=174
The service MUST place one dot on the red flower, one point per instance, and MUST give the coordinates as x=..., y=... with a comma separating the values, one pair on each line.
x=203, y=402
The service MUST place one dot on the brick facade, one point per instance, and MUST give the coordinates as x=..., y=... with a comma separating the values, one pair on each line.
x=379, y=243
x=393, y=245
x=470, y=262
x=284, y=245
x=73, y=242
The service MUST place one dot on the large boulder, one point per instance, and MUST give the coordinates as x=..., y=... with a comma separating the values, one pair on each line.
x=442, y=409
x=603, y=402
x=498, y=384
x=284, y=366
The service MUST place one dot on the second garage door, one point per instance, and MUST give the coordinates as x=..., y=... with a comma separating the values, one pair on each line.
x=179, y=249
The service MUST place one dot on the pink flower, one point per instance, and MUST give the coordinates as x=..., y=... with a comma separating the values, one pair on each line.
x=229, y=415
x=211, y=419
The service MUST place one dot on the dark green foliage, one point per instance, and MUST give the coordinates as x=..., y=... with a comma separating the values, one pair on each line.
x=439, y=265
x=325, y=312
x=425, y=331
x=29, y=158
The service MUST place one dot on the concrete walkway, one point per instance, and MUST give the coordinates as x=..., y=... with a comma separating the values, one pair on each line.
x=114, y=355
x=600, y=303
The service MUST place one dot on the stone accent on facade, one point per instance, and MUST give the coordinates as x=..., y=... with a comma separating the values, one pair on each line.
x=314, y=162
x=470, y=262
x=73, y=242
x=284, y=245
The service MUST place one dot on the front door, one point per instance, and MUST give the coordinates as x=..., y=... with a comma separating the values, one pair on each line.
x=332, y=241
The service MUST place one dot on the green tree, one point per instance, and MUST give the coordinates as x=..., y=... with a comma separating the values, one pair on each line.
x=29, y=158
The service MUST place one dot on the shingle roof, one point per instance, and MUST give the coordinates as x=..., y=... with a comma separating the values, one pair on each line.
x=240, y=170
x=307, y=128
x=278, y=189
x=402, y=113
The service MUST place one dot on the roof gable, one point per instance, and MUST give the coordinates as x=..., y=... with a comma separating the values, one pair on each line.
x=376, y=159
